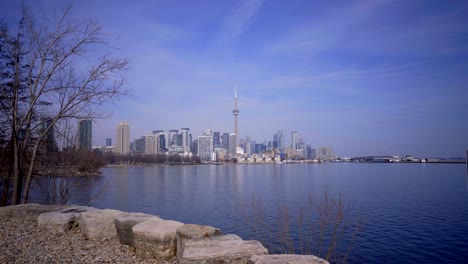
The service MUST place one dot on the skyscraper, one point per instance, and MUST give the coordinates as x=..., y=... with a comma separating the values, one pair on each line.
x=151, y=144
x=236, y=131
x=108, y=142
x=170, y=137
x=232, y=144
x=185, y=138
x=216, y=140
x=294, y=140
x=122, y=145
x=205, y=147
x=280, y=141
x=85, y=137
x=225, y=141
x=49, y=139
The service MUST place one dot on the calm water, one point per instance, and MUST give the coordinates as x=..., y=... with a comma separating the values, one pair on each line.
x=412, y=213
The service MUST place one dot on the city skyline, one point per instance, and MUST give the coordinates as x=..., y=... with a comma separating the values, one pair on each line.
x=367, y=77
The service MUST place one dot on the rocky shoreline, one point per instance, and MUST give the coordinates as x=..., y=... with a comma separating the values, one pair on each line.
x=34, y=233
x=23, y=241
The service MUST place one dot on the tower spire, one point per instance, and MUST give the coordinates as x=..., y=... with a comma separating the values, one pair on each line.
x=235, y=112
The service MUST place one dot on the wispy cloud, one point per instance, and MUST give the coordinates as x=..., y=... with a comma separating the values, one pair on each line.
x=240, y=18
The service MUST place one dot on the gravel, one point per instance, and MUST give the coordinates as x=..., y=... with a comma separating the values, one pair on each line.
x=23, y=241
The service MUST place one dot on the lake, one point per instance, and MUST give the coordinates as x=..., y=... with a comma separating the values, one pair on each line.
x=410, y=213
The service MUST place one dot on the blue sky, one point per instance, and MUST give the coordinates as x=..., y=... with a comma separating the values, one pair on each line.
x=366, y=77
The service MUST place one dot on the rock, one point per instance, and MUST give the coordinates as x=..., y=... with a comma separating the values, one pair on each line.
x=191, y=231
x=28, y=211
x=286, y=259
x=221, y=249
x=62, y=220
x=124, y=224
x=156, y=238
x=98, y=224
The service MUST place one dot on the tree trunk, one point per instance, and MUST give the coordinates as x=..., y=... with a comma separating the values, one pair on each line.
x=6, y=181
x=27, y=185
x=15, y=197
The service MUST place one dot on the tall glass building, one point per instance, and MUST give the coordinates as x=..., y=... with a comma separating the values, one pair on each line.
x=85, y=134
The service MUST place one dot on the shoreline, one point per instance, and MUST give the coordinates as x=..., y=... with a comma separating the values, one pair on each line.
x=278, y=163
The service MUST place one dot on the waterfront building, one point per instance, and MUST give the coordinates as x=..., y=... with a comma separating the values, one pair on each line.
x=235, y=112
x=259, y=148
x=151, y=145
x=324, y=153
x=108, y=142
x=225, y=141
x=177, y=140
x=247, y=146
x=195, y=147
x=185, y=134
x=122, y=144
x=232, y=144
x=216, y=140
x=161, y=138
x=140, y=145
x=205, y=147
x=294, y=140
x=280, y=141
x=49, y=139
x=85, y=136
x=170, y=138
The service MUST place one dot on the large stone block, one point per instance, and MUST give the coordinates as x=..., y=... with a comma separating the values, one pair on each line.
x=62, y=220
x=124, y=224
x=286, y=259
x=28, y=211
x=191, y=231
x=98, y=224
x=156, y=238
x=221, y=249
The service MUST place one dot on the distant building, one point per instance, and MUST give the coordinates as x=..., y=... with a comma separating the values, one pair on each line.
x=140, y=145
x=151, y=144
x=247, y=146
x=232, y=144
x=185, y=133
x=122, y=144
x=161, y=138
x=216, y=140
x=49, y=139
x=280, y=141
x=108, y=142
x=195, y=147
x=205, y=147
x=324, y=153
x=177, y=140
x=85, y=134
x=170, y=137
x=294, y=140
x=259, y=148
x=225, y=141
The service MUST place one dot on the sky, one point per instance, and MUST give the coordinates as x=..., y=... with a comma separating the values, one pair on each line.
x=365, y=77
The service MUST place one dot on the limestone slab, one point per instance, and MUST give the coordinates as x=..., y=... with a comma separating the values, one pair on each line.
x=124, y=224
x=221, y=249
x=156, y=238
x=192, y=231
x=62, y=220
x=98, y=224
x=28, y=211
x=286, y=259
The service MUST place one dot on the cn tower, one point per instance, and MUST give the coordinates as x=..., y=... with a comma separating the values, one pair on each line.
x=236, y=113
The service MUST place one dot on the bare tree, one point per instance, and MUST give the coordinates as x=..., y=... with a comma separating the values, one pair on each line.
x=52, y=76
